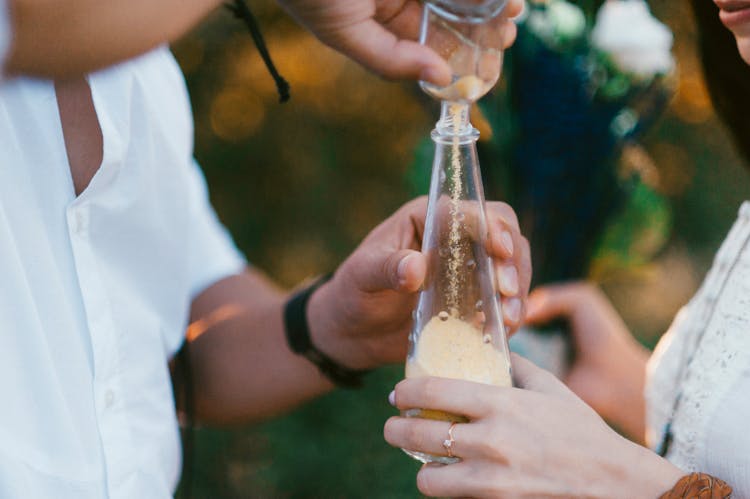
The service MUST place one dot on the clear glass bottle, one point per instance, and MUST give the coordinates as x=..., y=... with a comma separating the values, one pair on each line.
x=458, y=329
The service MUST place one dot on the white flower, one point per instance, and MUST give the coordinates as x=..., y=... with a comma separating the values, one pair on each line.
x=568, y=19
x=560, y=21
x=637, y=42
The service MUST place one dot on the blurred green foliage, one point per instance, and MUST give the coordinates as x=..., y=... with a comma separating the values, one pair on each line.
x=331, y=448
x=300, y=184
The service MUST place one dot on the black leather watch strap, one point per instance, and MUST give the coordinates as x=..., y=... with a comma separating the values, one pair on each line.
x=298, y=338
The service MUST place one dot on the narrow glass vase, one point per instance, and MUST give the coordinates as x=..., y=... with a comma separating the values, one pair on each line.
x=458, y=328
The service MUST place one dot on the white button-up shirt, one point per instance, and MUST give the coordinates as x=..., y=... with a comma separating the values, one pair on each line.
x=95, y=290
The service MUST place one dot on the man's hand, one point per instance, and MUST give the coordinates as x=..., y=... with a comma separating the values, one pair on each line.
x=362, y=316
x=380, y=34
x=243, y=368
x=69, y=38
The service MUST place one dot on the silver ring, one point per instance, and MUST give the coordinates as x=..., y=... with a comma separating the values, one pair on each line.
x=448, y=443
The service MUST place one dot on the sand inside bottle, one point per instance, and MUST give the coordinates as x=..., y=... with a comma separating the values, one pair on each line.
x=453, y=348
x=448, y=346
x=464, y=89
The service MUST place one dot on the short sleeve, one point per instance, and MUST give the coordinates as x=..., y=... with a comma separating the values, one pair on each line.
x=4, y=33
x=212, y=252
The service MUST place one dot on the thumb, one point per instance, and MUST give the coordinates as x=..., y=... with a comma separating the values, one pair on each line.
x=402, y=271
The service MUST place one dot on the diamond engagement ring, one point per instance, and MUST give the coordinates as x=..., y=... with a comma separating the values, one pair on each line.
x=448, y=443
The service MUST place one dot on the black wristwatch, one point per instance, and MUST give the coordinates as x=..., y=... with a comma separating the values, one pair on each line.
x=298, y=338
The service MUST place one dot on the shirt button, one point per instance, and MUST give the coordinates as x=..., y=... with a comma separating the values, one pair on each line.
x=109, y=398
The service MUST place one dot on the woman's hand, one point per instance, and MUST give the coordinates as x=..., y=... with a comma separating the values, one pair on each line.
x=538, y=440
x=609, y=368
x=380, y=34
x=363, y=315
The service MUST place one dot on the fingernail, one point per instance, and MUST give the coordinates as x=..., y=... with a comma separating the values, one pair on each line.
x=402, y=277
x=509, y=281
x=512, y=310
x=392, y=398
x=506, y=239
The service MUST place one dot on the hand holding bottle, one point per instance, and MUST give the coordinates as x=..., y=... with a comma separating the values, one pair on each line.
x=380, y=34
x=363, y=315
x=536, y=440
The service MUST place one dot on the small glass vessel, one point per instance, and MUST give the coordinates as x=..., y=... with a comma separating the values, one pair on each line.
x=469, y=36
x=458, y=330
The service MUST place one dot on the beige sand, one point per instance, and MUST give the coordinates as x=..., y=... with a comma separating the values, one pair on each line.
x=467, y=88
x=452, y=348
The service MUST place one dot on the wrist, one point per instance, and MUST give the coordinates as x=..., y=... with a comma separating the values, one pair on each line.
x=327, y=327
x=300, y=339
x=653, y=474
x=624, y=404
x=322, y=323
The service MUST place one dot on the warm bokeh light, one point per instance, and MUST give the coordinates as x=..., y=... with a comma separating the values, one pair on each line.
x=676, y=168
x=693, y=104
x=300, y=184
x=236, y=114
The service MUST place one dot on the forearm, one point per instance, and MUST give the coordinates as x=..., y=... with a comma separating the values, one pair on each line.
x=626, y=407
x=609, y=368
x=58, y=38
x=243, y=369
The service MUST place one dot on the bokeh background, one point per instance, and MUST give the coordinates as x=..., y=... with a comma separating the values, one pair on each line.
x=300, y=184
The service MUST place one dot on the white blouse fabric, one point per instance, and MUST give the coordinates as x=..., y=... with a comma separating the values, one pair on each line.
x=704, y=359
x=95, y=290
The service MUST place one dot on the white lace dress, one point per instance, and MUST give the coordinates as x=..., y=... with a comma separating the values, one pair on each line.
x=704, y=360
